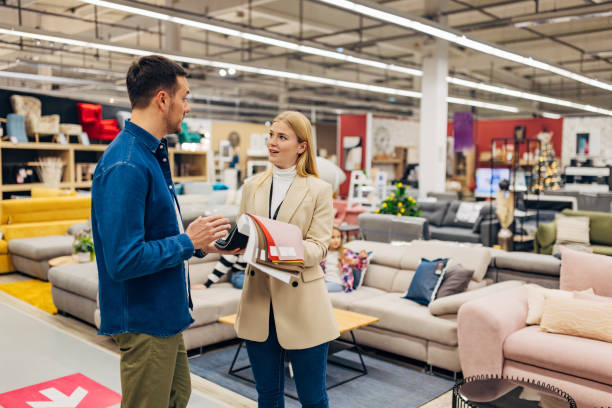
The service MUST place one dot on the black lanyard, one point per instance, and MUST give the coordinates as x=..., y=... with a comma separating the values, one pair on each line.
x=270, y=203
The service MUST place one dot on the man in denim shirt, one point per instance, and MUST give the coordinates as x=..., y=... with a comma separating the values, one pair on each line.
x=142, y=249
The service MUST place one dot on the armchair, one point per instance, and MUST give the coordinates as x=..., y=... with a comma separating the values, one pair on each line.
x=36, y=124
x=90, y=116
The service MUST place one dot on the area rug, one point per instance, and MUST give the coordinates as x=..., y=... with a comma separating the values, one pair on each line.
x=386, y=385
x=35, y=292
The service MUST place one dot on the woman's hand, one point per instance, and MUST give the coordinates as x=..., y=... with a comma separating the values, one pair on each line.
x=363, y=254
x=198, y=286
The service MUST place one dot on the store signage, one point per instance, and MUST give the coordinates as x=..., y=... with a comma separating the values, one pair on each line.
x=73, y=391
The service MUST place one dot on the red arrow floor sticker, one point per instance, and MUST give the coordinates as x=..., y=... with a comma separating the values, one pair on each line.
x=73, y=391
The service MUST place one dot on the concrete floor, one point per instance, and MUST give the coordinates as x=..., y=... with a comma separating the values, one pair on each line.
x=36, y=347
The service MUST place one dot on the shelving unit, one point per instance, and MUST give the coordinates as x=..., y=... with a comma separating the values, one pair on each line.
x=185, y=165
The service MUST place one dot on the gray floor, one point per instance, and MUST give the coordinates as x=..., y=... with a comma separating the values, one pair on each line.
x=32, y=351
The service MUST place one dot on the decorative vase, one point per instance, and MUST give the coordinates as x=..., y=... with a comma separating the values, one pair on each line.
x=83, y=257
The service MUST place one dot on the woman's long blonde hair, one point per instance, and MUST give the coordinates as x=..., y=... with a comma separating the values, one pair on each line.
x=306, y=163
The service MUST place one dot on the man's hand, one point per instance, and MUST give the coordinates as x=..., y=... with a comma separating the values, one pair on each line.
x=203, y=232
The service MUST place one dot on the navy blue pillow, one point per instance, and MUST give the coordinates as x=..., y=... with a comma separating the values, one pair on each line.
x=425, y=280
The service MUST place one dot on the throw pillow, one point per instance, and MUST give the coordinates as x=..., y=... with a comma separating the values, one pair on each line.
x=354, y=269
x=593, y=298
x=468, y=212
x=581, y=271
x=572, y=229
x=456, y=280
x=536, y=297
x=577, y=317
x=426, y=280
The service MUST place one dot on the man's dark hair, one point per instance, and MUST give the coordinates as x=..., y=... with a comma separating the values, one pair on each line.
x=149, y=75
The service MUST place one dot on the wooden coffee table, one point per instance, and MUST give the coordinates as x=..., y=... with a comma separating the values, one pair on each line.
x=348, y=322
x=63, y=260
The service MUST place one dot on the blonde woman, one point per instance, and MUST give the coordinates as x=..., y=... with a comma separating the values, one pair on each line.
x=275, y=318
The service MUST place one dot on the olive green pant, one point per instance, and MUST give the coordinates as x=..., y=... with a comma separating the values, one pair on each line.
x=154, y=371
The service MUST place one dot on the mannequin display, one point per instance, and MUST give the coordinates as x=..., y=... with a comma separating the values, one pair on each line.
x=505, y=214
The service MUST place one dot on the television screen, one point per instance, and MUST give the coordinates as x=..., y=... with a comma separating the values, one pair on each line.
x=487, y=180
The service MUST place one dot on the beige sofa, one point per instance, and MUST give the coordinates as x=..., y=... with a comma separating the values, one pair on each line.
x=405, y=328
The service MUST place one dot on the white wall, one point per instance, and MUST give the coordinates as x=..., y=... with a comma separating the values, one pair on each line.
x=597, y=127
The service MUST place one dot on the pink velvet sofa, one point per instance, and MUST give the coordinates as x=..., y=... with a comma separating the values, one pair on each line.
x=494, y=339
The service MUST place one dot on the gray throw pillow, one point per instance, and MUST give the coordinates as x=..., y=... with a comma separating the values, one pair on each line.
x=456, y=280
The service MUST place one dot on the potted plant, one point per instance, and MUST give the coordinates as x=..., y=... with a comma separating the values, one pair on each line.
x=84, y=248
x=398, y=203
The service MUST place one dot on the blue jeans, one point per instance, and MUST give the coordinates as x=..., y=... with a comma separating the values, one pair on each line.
x=334, y=286
x=237, y=279
x=268, y=365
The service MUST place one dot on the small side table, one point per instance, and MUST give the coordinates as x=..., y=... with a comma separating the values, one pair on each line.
x=63, y=260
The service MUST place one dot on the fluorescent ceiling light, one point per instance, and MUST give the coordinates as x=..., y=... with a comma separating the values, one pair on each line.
x=150, y=12
x=527, y=95
x=250, y=69
x=306, y=49
x=550, y=115
x=462, y=40
x=564, y=19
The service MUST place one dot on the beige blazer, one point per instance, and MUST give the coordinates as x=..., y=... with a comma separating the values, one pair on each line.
x=303, y=314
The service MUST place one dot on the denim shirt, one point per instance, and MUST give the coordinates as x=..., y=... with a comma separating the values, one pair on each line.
x=140, y=251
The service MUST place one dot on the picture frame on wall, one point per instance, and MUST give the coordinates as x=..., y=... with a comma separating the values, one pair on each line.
x=582, y=144
x=519, y=133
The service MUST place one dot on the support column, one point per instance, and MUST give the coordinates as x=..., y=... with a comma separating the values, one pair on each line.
x=172, y=32
x=434, y=113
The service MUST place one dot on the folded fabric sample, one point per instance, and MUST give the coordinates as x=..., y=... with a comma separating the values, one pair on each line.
x=234, y=240
x=273, y=247
x=577, y=317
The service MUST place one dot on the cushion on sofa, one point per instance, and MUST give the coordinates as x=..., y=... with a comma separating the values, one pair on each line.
x=3, y=247
x=472, y=257
x=528, y=262
x=572, y=229
x=407, y=317
x=402, y=280
x=567, y=354
x=42, y=248
x=426, y=280
x=81, y=279
x=536, y=299
x=344, y=300
x=581, y=271
x=578, y=317
x=433, y=211
x=456, y=279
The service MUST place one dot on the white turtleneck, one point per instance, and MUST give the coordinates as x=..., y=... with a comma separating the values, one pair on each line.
x=282, y=179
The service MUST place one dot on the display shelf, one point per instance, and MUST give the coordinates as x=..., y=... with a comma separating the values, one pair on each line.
x=186, y=165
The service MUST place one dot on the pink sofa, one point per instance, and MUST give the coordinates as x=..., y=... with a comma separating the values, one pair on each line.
x=494, y=339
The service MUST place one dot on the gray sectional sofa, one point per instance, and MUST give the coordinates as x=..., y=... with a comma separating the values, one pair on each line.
x=442, y=223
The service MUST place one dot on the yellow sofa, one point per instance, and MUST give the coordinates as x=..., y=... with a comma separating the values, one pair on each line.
x=36, y=217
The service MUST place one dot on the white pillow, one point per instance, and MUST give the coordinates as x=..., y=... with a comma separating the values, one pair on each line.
x=536, y=297
x=572, y=229
x=468, y=212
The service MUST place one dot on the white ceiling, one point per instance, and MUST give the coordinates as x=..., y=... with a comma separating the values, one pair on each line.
x=581, y=43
